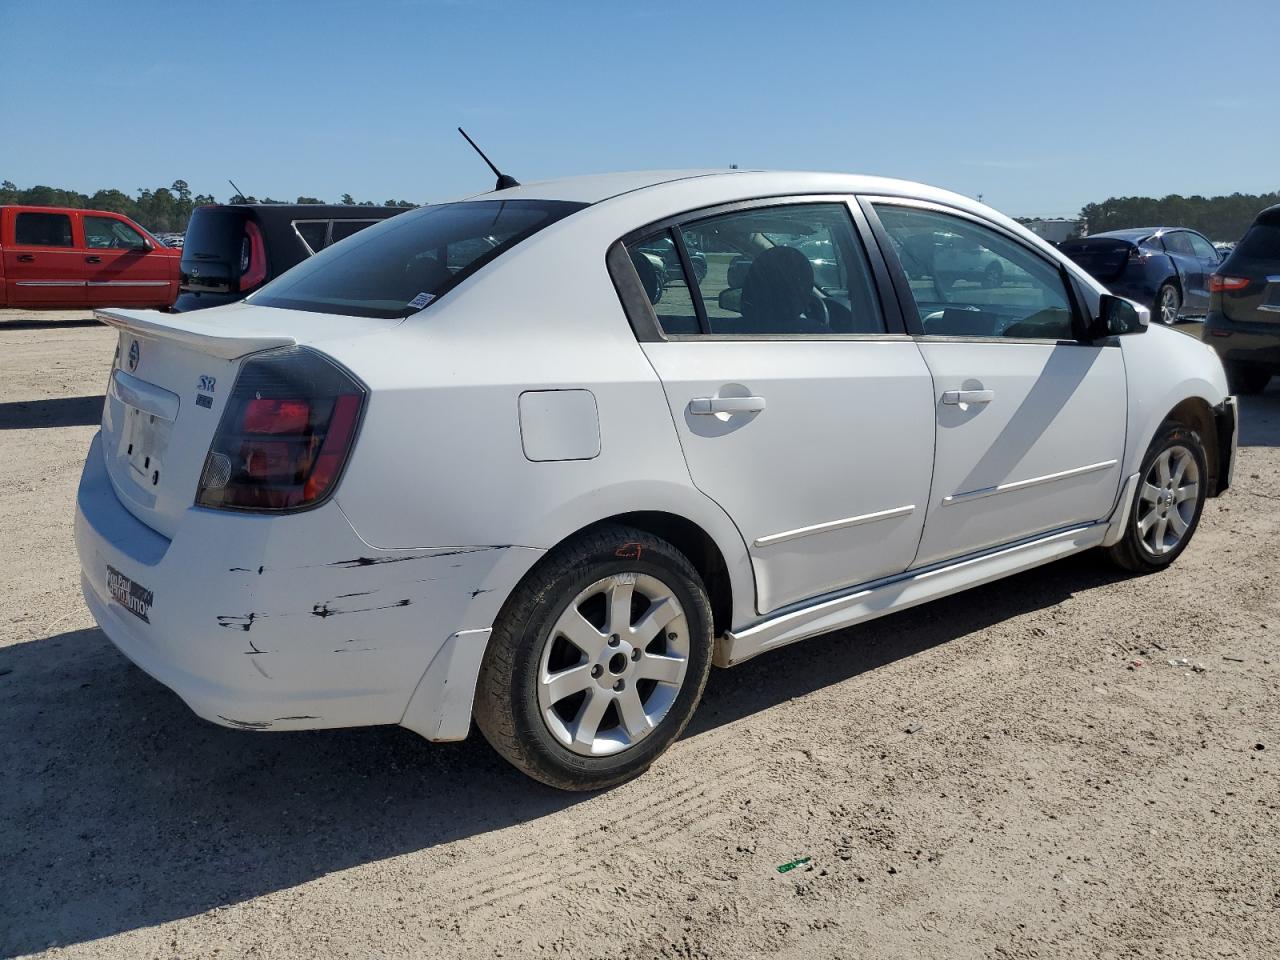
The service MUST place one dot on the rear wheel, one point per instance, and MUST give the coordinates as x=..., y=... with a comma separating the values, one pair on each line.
x=1168, y=304
x=1166, y=506
x=1247, y=380
x=597, y=661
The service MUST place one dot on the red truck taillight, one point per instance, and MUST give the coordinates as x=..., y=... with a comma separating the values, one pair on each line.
x=285, y=434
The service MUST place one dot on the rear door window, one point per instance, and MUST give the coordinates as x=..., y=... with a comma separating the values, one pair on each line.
x=42, y=230
x=397, y=266
x=969, y=280
x=1178, y=242
x=1202, y=247
x=662, y=275
x=776, y=271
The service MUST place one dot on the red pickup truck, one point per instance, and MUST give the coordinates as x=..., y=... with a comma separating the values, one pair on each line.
x=55, y=257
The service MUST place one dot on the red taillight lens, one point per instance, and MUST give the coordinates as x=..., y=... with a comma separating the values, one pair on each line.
x=285, y=435
x=253, y=257
x=1221, y=284
x=265, y=415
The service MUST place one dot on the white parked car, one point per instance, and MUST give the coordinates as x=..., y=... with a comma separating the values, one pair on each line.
x=421, y=479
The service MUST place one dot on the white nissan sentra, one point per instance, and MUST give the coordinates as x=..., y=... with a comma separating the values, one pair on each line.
x=541, y=457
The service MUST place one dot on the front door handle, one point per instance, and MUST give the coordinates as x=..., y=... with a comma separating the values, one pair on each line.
x=707, y=406
x=92, y=259
x=968, y=396
x=26, y=258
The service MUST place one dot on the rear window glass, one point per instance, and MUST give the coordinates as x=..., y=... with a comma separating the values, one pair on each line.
x=1262, y=242
x=396, y=267
x=215, y=233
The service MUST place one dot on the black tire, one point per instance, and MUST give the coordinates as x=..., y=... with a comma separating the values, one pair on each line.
x=1246, y=380
x=506, y=703
x=1131, y=551
x=1170, y=290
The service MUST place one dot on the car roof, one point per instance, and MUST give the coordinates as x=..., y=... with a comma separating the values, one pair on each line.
x=1132, y=233
x=723, y=183
x=1271, y=215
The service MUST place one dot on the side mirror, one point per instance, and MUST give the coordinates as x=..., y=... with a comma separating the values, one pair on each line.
x=1118, y=317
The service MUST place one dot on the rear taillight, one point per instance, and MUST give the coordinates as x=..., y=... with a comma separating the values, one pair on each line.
x=1221, y=284
x=285, y=434
x=253, y=257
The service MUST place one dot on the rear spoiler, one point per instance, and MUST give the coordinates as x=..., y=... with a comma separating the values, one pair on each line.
x=190, y=330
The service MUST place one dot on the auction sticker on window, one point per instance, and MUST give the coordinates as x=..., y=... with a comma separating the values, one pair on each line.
x=134, y=597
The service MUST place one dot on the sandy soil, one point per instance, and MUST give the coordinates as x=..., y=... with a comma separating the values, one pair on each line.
x=1067, y=792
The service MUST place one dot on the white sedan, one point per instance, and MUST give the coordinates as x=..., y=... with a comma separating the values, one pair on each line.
x=422, y=479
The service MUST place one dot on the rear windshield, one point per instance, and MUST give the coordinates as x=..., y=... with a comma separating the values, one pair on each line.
x=215, y=233
x=1262, y=242
x=397, y=267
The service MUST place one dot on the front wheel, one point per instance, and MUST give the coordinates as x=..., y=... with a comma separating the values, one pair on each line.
x=597, y=661
x=1166, y=507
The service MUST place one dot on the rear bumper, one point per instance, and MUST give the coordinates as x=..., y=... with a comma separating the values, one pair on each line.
x=1250, y=344
x=277, y=623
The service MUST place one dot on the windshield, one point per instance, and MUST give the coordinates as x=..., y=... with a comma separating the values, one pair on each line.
x=397, y=267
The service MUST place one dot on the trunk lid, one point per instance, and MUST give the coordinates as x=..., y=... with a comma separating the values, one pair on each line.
x=169, y=383
x=1104, y=258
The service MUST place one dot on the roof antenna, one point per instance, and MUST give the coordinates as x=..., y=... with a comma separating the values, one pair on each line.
x=504, y=180
x=239, y=193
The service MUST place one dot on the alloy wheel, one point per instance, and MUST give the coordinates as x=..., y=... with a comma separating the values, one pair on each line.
x=613, y=664
x=1169, y=305
x=1168, y=500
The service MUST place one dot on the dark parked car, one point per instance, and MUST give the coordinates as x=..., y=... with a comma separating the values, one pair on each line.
x=232, y=249
x=1243, y=324
x=1164, y=268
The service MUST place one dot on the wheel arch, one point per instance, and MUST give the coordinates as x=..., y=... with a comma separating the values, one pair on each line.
x=1196, y=414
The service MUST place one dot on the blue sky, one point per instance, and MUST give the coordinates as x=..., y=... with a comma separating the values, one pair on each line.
x=1038, y=106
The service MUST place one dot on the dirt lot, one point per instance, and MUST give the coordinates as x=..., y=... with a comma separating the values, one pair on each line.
x=1068, y=793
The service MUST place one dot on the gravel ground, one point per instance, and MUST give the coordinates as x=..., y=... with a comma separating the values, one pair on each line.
x=1066, y=792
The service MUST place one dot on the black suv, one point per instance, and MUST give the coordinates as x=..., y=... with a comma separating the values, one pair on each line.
x=232, y=249
x=1243, y=324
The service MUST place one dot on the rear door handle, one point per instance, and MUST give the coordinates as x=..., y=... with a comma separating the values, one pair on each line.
x=968, y=396
x=26, y=258
x=707, y=406
x=92, y=259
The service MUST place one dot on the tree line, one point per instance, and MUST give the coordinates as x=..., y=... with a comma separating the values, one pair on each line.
x=162, y=210
x=167, y=209
x=1218, y=218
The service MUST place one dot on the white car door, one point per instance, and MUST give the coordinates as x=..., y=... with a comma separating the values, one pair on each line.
x=1030, y=422
x=798, y=411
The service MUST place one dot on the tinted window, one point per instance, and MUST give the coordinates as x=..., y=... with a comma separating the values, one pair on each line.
x=971, y=281
x=1202, y=247
x=1262, y=242
x=396, y=266
x=214, y=234
x=1178, y=242
x=110, y=233
x=346, y=228
x=43, y=229
x=657, y=264
x=313, y=233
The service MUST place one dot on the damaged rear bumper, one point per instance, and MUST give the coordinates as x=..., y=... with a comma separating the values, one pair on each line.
x=277, y=623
